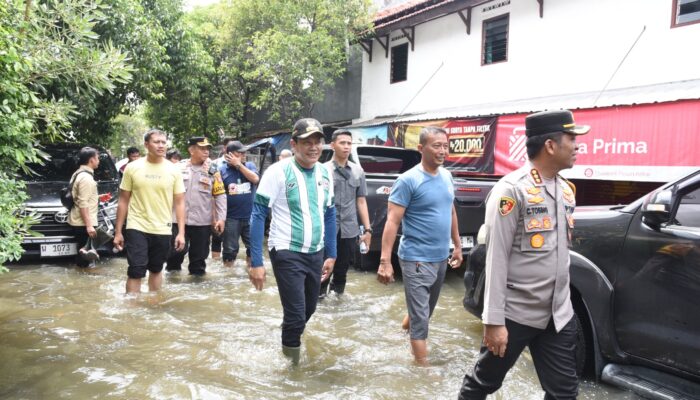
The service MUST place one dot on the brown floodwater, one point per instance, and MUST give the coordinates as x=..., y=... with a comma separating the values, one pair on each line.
x=72, y=334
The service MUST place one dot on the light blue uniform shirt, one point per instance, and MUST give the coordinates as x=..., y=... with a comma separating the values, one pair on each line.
x=427, y=221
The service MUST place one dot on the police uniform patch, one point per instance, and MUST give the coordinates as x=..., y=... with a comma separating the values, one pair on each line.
x=218, y=188
x=534, y=223
x=547, y=223
x=535, y=174
x=535, y=200
x=533, y=190
x=506, y=205
x=536, y=241
x=569, y=197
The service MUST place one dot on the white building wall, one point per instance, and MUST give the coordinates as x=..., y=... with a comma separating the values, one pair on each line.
x=575, y=48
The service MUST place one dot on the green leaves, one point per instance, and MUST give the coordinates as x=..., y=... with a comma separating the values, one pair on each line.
x=278, y=56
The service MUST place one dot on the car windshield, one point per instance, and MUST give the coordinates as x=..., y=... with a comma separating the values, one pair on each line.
x=62, y=164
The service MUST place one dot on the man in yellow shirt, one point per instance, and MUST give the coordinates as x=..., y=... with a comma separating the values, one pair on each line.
x=148, y=190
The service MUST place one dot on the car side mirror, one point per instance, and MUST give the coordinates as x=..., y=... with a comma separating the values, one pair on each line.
x=656, y=209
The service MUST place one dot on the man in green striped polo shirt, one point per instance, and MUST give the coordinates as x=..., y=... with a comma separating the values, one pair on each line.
x=302, y=245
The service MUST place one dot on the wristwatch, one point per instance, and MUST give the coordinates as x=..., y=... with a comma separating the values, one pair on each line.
x=368, y=230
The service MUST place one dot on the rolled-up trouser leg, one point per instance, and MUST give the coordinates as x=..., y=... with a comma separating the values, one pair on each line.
x=422, y=283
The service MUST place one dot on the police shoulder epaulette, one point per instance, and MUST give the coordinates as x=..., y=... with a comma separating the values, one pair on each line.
x=568, y=182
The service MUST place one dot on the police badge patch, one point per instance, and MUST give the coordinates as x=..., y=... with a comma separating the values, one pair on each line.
x=506, y=205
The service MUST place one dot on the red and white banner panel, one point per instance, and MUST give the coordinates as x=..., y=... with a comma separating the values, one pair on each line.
x=650, y=142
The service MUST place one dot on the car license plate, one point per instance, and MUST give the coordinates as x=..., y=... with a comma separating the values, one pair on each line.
x=59, y=249
x=467, y=242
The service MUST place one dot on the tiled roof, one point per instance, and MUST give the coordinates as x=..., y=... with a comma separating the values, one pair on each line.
x=388, y=12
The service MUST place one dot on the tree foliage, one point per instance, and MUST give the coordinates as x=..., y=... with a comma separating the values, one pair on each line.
x=53, y=46
x=272, y=55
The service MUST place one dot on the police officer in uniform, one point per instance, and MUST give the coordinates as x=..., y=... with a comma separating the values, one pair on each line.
x=528, y=231
x=205, y=206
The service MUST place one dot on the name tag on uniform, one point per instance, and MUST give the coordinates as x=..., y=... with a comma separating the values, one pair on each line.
x=205, y=180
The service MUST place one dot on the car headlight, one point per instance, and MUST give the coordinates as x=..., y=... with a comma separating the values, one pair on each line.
x=110, y=210
x=481, y=236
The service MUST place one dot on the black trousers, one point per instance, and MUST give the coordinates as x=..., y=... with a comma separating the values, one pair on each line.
x=216, y=241
x=197, y=244
x=298, y=278
x=81, y=238
x=344, y=259
x=554, y=356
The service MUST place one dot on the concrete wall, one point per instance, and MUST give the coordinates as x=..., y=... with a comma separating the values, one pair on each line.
x=575, y=48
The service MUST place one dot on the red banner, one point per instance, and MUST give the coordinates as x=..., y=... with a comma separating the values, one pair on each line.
x=650, y=142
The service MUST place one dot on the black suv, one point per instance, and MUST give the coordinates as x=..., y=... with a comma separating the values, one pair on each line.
x=635, y=284
x=43, y=188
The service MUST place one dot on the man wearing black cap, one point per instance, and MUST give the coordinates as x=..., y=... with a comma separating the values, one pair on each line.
x=240, y=178
x=299, y=193
x=205, y=207
x=528, y=226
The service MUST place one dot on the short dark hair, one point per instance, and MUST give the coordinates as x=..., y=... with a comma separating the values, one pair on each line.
x=173, y=153
x=340, y=132
x=151, y=132
x=534, y=144
x=132, y=150
x=226, y=140
x=85, y=154
x=427, y=131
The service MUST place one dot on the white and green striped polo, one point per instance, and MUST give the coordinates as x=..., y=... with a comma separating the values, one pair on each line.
x=298, y=199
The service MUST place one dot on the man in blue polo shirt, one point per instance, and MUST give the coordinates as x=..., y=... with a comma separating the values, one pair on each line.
x=422, y=199
x=240, y=178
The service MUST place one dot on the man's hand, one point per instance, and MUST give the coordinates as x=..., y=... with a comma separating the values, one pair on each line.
x=180, y=242
x=385, y=272
x=456, y=259
x=327, y=269
x=218, y=227
x=496, y=339
x=118, y=241
x=233, y=159
x=367, y=238
x=257, y=277
x=91, y=231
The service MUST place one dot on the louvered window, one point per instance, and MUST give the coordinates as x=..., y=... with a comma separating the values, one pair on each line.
x=686, y=12
x=495, y=44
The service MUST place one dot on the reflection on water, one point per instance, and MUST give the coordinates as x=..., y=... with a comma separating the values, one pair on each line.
x=66, y=333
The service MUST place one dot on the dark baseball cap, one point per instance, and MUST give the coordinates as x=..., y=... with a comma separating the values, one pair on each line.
x=236, y=146
x=306, y=127
x=545, y=122
x=199, y=141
